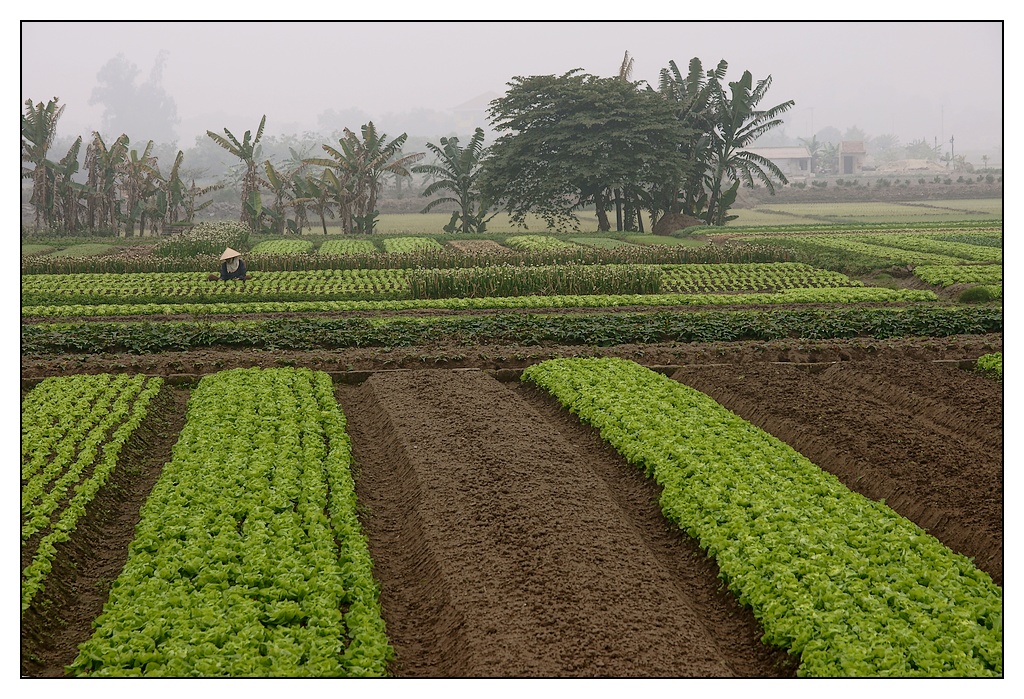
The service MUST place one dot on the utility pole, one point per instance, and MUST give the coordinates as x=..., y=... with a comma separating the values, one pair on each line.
x=952, y=155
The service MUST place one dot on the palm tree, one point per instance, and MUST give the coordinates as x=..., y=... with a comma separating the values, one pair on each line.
x=38, y=129
x=740, y=123
x=456, y=170
x=248, y=152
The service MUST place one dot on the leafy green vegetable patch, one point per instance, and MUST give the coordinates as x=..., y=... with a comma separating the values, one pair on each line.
x=249, y=559
x=841, y=581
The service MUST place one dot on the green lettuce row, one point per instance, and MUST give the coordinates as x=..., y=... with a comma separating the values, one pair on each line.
x=918, y=243
x=409, y=244
x=364, y=285
x=947, y=275
x=841, y=581
x=56, y=415
x=784, y=296
x=33, y=577
x=47, y=488
x=248, y=559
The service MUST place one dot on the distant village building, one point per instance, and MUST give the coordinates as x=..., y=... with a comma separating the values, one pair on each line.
x=851, y=157
x=792, y=160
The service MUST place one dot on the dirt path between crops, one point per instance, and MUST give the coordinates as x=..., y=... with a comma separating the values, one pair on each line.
x=61, y=616
x=510, y=543
x=926, y=437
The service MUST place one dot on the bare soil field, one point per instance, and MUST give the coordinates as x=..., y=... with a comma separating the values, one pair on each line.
x=510, y=541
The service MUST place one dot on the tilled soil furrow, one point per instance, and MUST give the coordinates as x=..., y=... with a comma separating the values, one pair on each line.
x=859, y=427
x=531, y=556
x=87, y=565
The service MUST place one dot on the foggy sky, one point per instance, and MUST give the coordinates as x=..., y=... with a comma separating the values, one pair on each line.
x=916, y=80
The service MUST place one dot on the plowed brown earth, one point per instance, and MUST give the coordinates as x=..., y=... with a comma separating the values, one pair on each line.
x=509, y=542
x=927, y=437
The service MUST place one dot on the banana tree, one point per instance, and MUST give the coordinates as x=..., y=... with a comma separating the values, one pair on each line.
x=361, y=163
x=693, y=95
x=67, y=194
x=318, y=194
x=103, y=165
x=739, y=125
x=139, y=182
x=38, y=129
x=456, y=170
x=248, y=151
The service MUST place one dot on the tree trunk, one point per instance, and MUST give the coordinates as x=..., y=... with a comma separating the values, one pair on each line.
x=618, y=210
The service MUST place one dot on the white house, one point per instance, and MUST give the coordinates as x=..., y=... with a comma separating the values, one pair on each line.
x=792, y=160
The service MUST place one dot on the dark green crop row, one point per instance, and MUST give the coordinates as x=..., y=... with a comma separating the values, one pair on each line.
x=512, y=328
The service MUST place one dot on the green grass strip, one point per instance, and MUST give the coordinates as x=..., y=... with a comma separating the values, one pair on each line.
x=839, y=580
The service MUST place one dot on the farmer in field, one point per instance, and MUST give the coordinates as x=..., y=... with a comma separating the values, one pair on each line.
x=232, y=266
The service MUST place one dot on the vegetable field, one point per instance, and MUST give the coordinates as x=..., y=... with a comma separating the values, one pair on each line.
x=524, y=456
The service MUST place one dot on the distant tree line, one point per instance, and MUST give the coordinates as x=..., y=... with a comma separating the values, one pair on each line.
x=566, y=143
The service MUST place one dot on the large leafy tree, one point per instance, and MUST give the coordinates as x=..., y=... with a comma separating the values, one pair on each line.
x=131, y=107
x=248, y=152
x=740, y=124
x=140, y=183
x=569, y=141
x=457, y=170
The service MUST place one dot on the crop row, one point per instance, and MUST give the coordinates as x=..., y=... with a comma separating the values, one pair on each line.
x=589, y=329
x=504, y=280
x=879, y=255
x=927, y=244
x=947, y=275
x=73, y=430
x=248, y=559
x=432, y=257
x=410, y=244
x=992, y=240
x=841, y=581
x=536, y=242
x=282, y=247
x=785, y=296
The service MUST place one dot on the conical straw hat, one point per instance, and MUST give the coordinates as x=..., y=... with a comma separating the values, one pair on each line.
x=229, y=253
